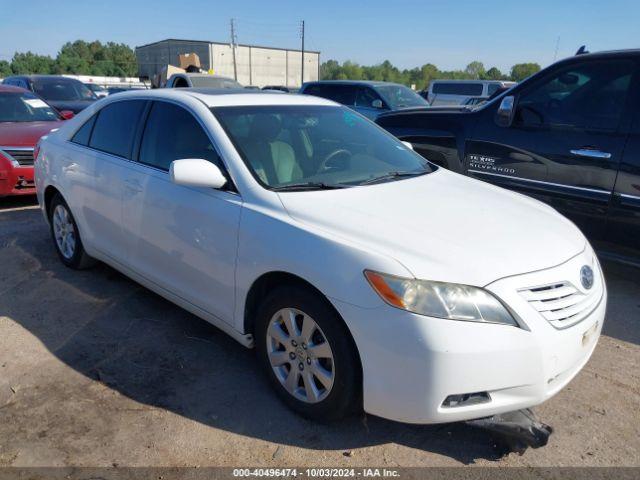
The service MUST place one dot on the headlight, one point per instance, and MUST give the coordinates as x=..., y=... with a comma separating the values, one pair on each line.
x=439, y=299
x=13, y=161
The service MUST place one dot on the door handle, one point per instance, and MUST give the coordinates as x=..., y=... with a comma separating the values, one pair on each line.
x=133, y=185
x=591, y=153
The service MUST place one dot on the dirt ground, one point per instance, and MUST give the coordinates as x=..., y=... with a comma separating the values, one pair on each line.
x=95, y=370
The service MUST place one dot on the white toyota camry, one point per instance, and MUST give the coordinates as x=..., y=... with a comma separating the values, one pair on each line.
x=365, y=276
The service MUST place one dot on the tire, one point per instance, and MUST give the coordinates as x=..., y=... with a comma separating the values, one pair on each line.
x=334, y=399
x=66, y=236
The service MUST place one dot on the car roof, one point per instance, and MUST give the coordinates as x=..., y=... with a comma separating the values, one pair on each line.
x=11, y=88
x=371, y=83
x=45, y=77
x=218, y=97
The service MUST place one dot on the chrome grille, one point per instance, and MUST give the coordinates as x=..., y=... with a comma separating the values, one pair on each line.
x=562, y=304
x=24, y=156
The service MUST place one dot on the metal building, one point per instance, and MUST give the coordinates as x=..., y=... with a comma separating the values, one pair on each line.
x=255, y=65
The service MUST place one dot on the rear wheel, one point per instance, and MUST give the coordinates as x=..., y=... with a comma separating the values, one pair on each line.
x=308, y=355
x=66, y=236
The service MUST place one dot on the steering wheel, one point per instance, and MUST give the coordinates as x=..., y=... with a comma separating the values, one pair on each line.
x=324, y=165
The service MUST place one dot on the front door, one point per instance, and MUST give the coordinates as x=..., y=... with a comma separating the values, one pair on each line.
x=369, y=103
x=622, y=238
x=183, y=239
x=566, y=140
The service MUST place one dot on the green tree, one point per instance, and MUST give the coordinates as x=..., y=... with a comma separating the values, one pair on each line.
x=520, y=71
x=475, y=70
x=493, y=74
x=329, y=70
x=26, y=63
x=5, y=69
x=95, y=58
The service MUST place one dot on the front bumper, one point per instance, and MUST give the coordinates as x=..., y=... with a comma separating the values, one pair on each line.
x=412, y=363
x=16, y=181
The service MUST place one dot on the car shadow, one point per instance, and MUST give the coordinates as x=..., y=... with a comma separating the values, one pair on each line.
x=19, y=201
x=116, y=332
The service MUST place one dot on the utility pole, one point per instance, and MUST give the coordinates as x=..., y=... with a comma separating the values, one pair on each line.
x=302, y=35
x=555, y=55
x=233, y=50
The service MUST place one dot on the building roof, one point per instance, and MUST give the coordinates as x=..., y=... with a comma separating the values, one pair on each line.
x=223, y=43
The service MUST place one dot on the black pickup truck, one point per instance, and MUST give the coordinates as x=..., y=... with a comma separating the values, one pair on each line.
x=568, y=135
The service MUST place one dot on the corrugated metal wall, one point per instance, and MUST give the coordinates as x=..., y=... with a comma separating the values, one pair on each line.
x=258, y=66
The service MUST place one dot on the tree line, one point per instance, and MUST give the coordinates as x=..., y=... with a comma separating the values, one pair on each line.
x=76, y=58
x=119, y=60
x=421, y=76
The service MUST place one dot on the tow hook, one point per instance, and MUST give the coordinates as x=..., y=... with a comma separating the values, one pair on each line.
x=516, y=430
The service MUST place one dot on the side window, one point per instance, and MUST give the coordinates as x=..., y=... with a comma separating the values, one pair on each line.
x=588, y=95
x=366, y=96
x=115, y=127
x=492, y=88
x=84, y=133
x=173, y=133
x=180, y=82
x=344, y=94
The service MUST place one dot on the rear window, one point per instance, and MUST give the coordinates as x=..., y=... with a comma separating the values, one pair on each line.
x=62, y=89
x=115, y=127
x=470, y=89
x=84, y=133
x=344, y=94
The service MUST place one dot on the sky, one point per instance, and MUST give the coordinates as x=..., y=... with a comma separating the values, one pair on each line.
x=449, y=34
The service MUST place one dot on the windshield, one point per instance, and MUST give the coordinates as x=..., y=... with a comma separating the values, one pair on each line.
x=25, y=107
x=214, y=82
x=60, y=89
x=399, y=96
x=317, y=146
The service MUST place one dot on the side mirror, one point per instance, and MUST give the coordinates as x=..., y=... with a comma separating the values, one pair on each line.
x=408, y=145
x=376, y=103
x=67, y=114
x=196, y=172
x=506, y=111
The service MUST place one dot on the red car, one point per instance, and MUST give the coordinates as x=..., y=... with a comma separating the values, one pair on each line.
x=24, y=118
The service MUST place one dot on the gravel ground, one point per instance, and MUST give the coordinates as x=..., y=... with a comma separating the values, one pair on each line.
x=95, y=370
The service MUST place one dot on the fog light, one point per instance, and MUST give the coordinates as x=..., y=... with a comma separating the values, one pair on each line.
x=466, y=399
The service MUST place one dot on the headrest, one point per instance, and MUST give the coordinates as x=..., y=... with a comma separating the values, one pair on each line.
x=265, y=127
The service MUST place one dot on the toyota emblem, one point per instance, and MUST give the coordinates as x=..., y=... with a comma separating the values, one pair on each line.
x=586, y=277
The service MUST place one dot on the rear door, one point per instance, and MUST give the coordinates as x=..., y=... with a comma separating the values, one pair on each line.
x=566, y=140
x=110, y=142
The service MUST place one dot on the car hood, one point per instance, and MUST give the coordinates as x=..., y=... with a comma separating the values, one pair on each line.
x=74, y=105
x=444, y=226
x=24, y=134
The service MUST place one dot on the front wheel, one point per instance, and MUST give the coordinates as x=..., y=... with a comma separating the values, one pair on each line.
x=66, y=236
x=308, y=354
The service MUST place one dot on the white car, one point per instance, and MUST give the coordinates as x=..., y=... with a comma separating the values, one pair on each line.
x=365, y=276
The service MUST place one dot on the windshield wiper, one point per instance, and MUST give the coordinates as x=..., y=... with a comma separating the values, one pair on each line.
x=393, y=176
x=294, y=187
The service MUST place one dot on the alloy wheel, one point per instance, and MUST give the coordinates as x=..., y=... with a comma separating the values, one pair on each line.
x=300, y=355
x=64, y=231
